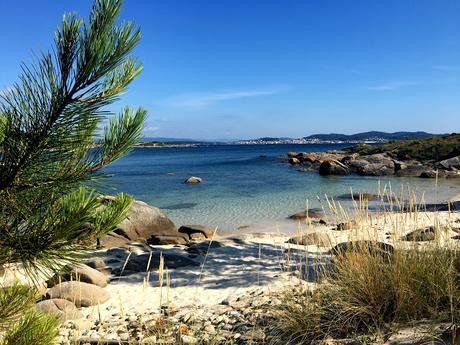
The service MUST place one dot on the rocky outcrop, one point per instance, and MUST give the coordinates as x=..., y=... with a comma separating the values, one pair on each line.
x=377, y=164
x=450, y=164
x=142, y=222
x=333, y=167
x=294, y=161
x=82, y=294
x=373, y=165
x=409, y=169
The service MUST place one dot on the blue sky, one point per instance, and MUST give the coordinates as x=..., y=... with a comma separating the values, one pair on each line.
x=252, y=68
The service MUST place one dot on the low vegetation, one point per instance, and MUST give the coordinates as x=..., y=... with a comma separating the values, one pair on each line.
x=372, y=289
x=430, y=149
x=366, y=295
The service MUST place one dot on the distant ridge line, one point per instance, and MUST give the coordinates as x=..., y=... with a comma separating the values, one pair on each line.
x=364, y=137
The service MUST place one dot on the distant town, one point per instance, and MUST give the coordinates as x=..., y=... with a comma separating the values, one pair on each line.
x=372, y=137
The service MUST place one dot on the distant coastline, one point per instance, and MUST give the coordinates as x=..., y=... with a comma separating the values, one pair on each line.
x=372, y=137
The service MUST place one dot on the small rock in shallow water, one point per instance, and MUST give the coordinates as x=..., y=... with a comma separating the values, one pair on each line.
x=193, y=180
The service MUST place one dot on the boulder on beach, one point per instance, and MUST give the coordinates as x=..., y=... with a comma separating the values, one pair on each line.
x=193, y=180
x=62, y=308
x=316, y=238
x=333, y=167
x=165, y=238
x=82, y=294
x=421, y=235
x=374, y=248
x=81, y=273
x=141, y=222
x=190, y=230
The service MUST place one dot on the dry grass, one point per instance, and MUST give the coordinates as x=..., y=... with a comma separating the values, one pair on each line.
x=369, y=293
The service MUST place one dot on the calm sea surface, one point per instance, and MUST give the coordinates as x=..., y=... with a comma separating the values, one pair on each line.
x=240, y=188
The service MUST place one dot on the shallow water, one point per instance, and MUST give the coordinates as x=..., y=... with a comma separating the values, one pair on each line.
x=240, y=188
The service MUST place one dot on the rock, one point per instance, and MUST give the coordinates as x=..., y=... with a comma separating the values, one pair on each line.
x=82, y=294
x=294, y=154
x=306, y=169
x=193, y=180
x=310, y=157
x=358, y=196
x=375, y=248
x=207, y=231
x=420, y=235
x=112, y=240
x=141, y=222
x=81, y=273
x=346, y=225
x=333, y=167
x=62, y=308
x=451, y=163
x=197, y=237
x=313, y=213
x=317, y=238
x=294, y=161
x=409, y=169
x=168, y=238
x=431, y=173
x=453, y=174
x=376, y=165
x=96, y=263
x=188, y=339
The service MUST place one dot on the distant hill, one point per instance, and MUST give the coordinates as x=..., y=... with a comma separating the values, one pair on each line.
x=170, y=140
x=365, y=137
x=370, y=136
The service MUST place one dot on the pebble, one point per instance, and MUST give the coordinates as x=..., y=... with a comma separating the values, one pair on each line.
x=236, y=319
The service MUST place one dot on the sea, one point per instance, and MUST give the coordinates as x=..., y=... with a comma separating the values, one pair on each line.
x=246, y=187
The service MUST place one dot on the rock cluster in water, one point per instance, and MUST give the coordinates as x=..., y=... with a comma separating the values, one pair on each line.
x=378, y=164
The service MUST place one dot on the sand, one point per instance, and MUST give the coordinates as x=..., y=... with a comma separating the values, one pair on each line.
x=258, y=261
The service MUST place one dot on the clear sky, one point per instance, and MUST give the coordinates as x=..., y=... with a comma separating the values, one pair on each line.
x=252, y=68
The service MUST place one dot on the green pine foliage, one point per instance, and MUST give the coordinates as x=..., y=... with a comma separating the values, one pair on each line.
x=49, y=122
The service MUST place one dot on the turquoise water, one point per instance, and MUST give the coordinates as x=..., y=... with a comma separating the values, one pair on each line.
x=240, y=188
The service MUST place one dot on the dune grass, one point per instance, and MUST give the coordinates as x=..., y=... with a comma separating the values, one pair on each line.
x=368, y=293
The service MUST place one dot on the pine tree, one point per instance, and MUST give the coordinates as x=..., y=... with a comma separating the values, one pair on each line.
x=49, y=163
